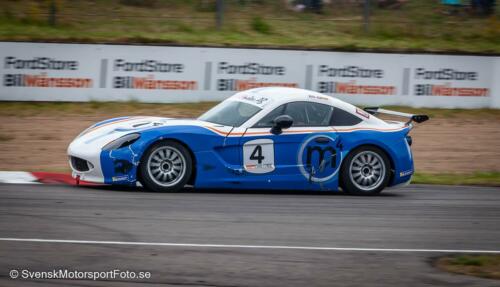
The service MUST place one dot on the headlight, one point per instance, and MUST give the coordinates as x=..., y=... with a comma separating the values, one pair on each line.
x=122, y=142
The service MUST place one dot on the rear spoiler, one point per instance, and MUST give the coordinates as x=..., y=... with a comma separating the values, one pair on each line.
x=410, y=117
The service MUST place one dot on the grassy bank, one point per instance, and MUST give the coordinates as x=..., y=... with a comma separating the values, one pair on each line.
x=477, y=178
x=28, y=109
x=487, y=266
x=419, y=25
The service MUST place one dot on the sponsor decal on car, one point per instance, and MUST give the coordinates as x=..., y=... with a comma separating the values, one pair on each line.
x=318, y=158
x=255, y=99
x=406, y=173
x=120, y=178
x=258, y=156
x=318, y=97
x=362, y=113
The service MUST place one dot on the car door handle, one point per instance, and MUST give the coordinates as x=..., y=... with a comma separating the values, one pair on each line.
x=322, y=140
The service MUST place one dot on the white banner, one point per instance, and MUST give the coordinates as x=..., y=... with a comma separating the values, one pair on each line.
x=159, y=74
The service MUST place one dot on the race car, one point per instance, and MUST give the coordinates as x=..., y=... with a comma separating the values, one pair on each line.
x=264, y=138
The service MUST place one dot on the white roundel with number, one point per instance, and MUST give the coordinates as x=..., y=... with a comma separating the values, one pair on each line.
x=258, y=156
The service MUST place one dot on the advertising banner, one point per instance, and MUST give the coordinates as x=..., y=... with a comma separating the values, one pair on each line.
x=163, y=74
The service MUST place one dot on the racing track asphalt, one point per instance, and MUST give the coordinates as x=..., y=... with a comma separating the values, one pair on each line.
x=415, y=217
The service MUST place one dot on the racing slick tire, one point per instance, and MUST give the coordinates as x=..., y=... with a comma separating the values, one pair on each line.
x=166, y=167
x=365, y=171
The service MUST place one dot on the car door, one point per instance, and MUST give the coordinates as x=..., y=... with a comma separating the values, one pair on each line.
x=300, y=157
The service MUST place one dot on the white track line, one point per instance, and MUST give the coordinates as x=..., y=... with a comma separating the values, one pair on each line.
x=246, y=246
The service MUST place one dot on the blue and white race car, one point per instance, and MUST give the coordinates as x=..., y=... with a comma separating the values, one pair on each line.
x=264, y=138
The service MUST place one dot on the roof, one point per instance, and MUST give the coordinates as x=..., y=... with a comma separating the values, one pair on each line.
x=263, y=97
x=276, y=93
x=269, y=98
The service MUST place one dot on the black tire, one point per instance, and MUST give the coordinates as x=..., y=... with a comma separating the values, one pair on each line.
x=152, y=160
x=353, y=181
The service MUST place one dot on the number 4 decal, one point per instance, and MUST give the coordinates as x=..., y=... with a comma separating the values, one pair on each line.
x=258, y=156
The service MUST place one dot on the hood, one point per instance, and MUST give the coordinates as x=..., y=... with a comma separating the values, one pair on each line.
x=122, y=125
x=88, y=145
x=104, y=132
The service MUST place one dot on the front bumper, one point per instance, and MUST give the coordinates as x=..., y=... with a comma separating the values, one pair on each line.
x=93, y=172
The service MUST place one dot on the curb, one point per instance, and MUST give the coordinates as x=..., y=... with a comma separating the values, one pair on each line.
x=24, y=177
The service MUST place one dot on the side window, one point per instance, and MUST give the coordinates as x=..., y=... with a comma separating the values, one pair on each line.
x=342, y=118
x=303, y=114
x=318, y=115
x=267, y=121
x=297, y=110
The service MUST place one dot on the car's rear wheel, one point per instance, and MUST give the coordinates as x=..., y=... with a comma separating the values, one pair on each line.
x=166, y=167
x=365, y=171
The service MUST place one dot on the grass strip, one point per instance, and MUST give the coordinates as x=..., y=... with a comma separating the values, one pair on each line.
x=476, y=178
x=486, y=266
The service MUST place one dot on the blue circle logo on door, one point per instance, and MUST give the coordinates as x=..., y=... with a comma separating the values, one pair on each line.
x=318, y=158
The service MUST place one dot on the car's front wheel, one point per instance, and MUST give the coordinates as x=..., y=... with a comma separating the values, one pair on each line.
x=365, y=171
x=166, y=167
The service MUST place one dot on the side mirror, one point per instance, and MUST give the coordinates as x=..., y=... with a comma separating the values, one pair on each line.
x=280, y=123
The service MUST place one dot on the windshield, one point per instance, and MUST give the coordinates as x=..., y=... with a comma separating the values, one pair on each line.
x=230, y=113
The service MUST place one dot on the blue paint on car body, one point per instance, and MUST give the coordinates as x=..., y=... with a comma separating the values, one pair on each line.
x=303, y=158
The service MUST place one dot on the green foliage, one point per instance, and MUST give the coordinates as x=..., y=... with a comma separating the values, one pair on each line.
x=467, y=260
x=259, y=25
x=183, y=27
x=477, y=178
x=480, y=265
x=205, y=6
x=419, y=25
